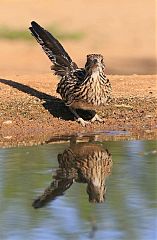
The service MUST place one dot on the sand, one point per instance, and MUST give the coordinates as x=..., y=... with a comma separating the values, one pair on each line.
x=31, y=112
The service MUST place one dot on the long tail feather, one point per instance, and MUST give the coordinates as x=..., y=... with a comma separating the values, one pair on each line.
x=52, y=48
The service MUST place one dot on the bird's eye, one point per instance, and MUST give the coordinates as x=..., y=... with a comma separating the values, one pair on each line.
x=95, y=61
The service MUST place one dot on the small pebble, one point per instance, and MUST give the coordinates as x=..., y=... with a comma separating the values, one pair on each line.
x=8, y=122
x=7, y=137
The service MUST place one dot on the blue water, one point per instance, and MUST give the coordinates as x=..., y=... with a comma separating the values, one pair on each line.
x=128, y=211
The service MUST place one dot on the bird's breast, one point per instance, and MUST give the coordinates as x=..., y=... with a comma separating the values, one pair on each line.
x=94, y=92
x=91, y=93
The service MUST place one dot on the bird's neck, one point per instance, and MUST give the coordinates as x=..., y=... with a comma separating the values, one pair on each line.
x=97, y=76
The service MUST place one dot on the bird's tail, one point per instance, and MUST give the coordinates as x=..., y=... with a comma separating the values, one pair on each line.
x=57, y=188
x=54, y=50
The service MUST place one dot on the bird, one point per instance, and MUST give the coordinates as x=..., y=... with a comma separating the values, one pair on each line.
x=85, y=88
x=83, y=162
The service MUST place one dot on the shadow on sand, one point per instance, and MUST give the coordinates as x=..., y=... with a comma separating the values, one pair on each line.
x=53, y=104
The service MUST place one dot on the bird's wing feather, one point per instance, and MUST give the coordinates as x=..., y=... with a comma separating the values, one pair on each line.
x=80, y=73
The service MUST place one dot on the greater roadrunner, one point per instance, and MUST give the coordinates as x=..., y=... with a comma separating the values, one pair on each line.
x=85, y=162
x=80, y=88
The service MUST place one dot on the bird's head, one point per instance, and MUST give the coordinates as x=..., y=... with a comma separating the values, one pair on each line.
x=95, y=63
x=96, y=193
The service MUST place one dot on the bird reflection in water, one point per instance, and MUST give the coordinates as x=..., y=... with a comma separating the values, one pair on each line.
x=83, y=162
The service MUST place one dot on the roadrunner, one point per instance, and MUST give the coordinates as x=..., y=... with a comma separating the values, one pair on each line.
x=80, y=88
x=86, y=162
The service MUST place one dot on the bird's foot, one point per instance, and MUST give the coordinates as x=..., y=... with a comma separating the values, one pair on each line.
x=83, y=122
x=97, y=118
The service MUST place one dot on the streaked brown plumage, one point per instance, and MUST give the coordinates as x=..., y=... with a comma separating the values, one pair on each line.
x=86, y=163
x=80, y=88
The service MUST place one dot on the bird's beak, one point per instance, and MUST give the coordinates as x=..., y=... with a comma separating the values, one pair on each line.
x=95, y=64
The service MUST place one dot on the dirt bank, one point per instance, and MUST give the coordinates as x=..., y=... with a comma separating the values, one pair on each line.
x=32, y=112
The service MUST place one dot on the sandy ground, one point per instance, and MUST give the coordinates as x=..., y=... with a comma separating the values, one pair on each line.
x=31, y=112
x=122, y=31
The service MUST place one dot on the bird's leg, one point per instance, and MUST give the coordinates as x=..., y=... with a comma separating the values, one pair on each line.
x=78, y=118
x=97, y=118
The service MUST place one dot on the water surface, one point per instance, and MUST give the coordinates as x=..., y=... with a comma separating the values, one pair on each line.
x=73, y=210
